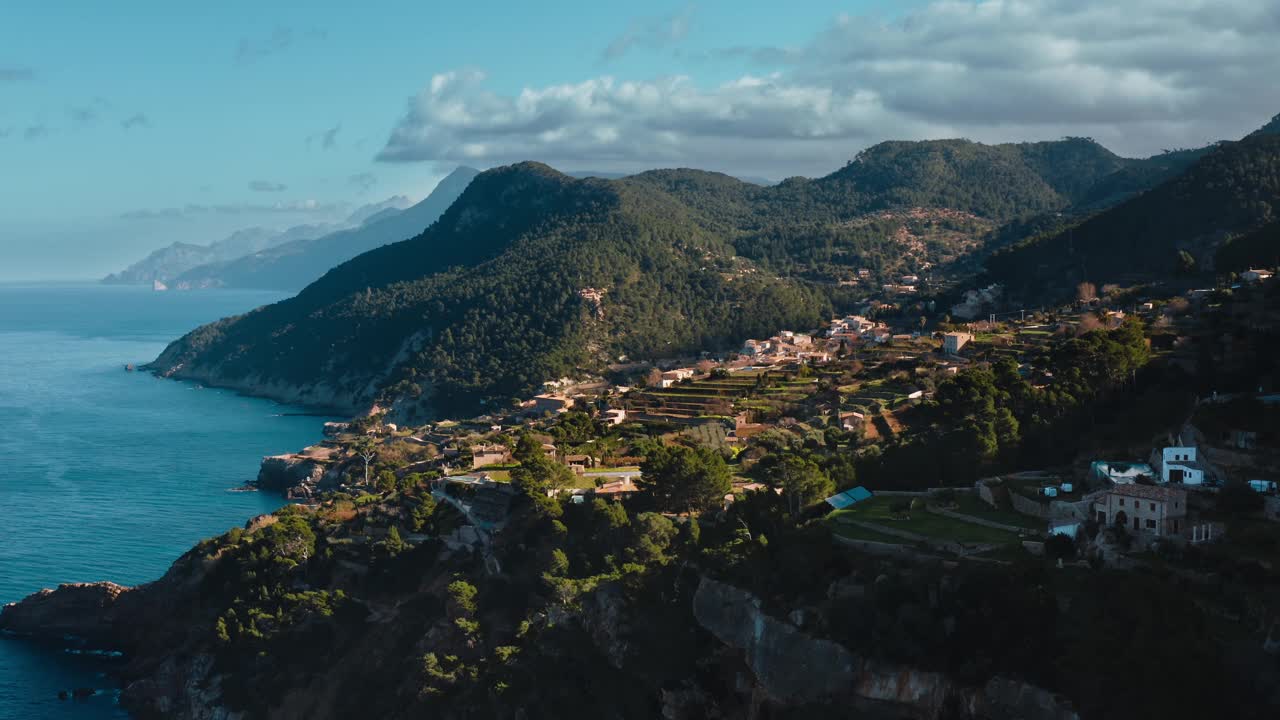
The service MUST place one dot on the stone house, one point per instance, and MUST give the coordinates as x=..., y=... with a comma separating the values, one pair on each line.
x=954, y=342
x=1144, y=509
x=485, y=455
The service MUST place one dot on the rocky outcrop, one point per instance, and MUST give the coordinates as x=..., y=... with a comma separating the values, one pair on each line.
x=161, y=628
x=83, y=610
x=793, y=667
x=303, y=475
x=281, y=473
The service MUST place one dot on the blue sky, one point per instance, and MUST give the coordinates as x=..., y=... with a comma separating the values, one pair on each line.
x=126, y=126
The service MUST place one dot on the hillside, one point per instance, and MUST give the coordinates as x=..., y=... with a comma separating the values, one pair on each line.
x=292, y=265
x=1260, y=248
x=1232, y=190
x=486, y=304
x=496, y=297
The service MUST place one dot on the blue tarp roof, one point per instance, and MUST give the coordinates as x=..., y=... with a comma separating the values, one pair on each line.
x=843, y=500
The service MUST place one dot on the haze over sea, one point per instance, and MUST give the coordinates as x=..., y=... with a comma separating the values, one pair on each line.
x=108, y=474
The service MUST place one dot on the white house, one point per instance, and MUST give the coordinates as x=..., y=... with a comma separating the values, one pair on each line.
x=1180, y=466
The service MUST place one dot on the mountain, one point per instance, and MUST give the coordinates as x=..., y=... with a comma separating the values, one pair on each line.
x=1233, y=189
x=606, y=175
x=291, y=265
x=372, y=212
x=533, y=274
x=1271, y=128
x=163, y=264
x=489, y=301
x=169, y=262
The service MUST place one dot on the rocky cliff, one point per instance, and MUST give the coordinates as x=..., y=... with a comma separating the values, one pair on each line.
x=793, y=667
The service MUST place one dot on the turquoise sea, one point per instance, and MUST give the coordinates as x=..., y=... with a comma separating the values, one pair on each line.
x=111, y=475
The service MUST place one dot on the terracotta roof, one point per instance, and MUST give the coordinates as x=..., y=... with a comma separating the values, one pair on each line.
x=1150, y=492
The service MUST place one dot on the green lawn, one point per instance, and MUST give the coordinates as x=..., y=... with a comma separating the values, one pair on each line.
x=853, y=532
x=623, y=468
x=970, y=504
x=922, y=522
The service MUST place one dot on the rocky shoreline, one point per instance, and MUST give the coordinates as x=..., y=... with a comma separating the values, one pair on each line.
x=321, y=398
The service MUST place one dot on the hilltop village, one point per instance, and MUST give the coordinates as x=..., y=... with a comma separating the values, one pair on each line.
x=871, y=386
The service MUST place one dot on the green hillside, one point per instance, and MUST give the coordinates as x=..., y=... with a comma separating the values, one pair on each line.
x=489, y=301
x=1232, y=190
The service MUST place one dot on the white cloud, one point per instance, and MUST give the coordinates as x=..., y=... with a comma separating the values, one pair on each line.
x=1139, y=76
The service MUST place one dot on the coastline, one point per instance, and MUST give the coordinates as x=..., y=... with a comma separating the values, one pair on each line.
x=314, y=406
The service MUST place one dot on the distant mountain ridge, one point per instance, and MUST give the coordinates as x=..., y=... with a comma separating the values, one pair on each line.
x=168, y=263
x=292, y=265
x=1230, y=191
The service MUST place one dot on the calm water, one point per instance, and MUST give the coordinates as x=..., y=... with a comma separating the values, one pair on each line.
x=111, y=475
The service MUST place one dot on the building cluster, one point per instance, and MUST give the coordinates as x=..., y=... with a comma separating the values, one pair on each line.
x=784, y=347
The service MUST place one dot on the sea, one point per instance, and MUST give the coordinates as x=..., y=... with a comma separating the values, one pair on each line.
x=107, y=474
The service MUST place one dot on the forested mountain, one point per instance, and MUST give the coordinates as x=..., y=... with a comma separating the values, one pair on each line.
x=497, y=296
x=290, y=266
x=486, y=303
x=1233, y=189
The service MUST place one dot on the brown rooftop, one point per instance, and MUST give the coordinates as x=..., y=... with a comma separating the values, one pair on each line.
x=1149, y=492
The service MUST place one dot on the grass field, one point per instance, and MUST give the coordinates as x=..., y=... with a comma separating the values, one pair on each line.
x=969, y=504
x=922, y=522
x=853, y=532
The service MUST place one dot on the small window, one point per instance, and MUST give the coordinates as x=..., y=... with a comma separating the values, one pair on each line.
x=1121, y=502
x=1153, y=507
x=1151, y=524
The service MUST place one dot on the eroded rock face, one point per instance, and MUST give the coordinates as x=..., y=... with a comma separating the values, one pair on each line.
x=793, y=667
x=85, y=610
x=790, y=665
x=281, y=473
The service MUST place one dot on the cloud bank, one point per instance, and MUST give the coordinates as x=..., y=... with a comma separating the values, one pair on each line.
x=1139, y=76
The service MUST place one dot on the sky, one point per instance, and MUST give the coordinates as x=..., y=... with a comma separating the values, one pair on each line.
x=126, y=126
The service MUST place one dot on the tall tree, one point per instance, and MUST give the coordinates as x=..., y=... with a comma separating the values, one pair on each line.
x=681, y=479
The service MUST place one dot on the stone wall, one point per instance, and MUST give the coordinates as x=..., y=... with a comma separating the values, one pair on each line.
x=1027, y=506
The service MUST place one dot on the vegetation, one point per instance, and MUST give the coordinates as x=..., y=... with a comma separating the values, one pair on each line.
x=485, y=305
x=1232, y=190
